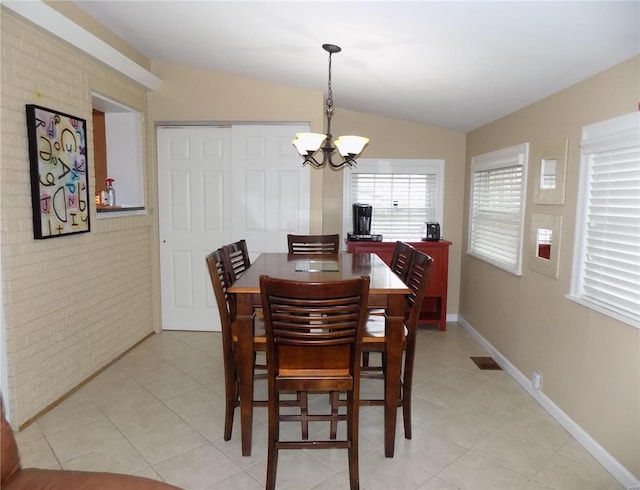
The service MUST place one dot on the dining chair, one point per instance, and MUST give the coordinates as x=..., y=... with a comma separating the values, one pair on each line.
x=221, y=279
x=314, y=332
x=313, y=244
x=373, y=340
x=401, y=259
x=400, y=262
x=236, y=258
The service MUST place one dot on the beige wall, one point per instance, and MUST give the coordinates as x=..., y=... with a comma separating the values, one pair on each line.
x=590, y=362
x=75, y=303
x=62, y=327
x=392, y=138
x=190, y=95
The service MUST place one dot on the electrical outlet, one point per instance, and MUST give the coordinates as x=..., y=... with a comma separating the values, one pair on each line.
x=536, y=379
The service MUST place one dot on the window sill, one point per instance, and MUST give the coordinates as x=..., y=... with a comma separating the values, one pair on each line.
x=605, y=311
x=119, y=211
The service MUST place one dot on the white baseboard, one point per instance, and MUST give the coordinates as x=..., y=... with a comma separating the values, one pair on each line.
x=619, y=472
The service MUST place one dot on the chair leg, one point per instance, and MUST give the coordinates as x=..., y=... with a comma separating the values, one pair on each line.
x=352, y=436
x=334, y=398
x=407, y=383
x=231, y=398
x=304, y=412
x=274, y=437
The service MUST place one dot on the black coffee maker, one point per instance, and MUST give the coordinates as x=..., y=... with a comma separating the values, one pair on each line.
x=362, y=224
x=362, y=219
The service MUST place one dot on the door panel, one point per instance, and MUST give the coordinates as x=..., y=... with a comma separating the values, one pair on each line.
x=193, y=221
x=215, y=186
x=271, y=188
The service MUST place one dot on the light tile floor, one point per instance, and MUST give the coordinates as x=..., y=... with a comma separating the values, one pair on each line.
x=158, y=412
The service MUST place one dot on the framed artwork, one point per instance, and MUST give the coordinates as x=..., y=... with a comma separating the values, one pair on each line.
x=59, y=172
x=545, y=242
x=549, y=178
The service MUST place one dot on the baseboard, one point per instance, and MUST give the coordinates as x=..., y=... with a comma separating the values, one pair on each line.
x=612, y=465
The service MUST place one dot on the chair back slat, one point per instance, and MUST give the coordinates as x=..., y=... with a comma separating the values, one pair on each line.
x=313, y=244
x=402, y=254
x=236, y=258
x=313, y=326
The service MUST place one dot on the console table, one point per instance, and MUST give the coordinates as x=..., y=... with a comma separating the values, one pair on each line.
x=434, y=308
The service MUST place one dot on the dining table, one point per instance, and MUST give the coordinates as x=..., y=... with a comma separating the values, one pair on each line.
x=386, y=291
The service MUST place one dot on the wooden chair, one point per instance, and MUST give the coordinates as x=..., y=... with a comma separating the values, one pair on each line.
x=221, y=278
x=236, y=258
x=314, y=333
x=417, y=280
x=401, y=260
x=313, y=244
x=400, y=263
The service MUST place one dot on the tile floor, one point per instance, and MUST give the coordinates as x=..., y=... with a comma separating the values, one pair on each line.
x=158, y=412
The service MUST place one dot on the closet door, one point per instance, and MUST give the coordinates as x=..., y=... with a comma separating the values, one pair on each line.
x=215, y=186
x=194, y=175
x=271, y=188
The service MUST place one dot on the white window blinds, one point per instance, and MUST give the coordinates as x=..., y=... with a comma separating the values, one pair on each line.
x=404, y=193
x=607, y=266
x=401, y=202
x=497, y=207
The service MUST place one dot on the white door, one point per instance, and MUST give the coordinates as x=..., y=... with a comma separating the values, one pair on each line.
x=216, y=186
x=194, y=173
x=271, y=188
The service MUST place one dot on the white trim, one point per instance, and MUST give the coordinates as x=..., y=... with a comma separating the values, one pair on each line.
x=60, y=26
x=616, y=133
x=452, y=317
x=418, y=166
x=584, y=301
x=506, y=157
x=612, y=465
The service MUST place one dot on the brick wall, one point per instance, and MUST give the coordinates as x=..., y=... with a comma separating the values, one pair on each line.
x=72, y=304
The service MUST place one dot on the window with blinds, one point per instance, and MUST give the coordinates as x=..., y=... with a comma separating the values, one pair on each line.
x=404, y=195
x=497, y=207
x=606, y=272
x=402, y=202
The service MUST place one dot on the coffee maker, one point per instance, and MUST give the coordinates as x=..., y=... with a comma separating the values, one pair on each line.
x=362, y=223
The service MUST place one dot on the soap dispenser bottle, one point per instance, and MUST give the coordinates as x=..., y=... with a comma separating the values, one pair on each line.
x=110, y=195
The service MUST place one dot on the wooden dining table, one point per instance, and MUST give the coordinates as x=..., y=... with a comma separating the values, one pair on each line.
x=386, y=290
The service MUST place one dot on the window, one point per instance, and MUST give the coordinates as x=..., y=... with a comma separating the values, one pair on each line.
x=403, y=193
x=606, y=268
x=117, y=141
x=498, y=183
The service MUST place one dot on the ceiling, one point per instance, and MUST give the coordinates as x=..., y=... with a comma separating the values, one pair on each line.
x=454, y=64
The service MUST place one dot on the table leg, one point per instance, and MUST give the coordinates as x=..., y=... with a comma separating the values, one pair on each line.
x=394, y=326
x=245, y=368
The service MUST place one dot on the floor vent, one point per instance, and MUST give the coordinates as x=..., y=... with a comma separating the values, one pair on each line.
x=486, y=363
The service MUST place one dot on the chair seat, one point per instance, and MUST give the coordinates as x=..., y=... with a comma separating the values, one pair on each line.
x=375, y=330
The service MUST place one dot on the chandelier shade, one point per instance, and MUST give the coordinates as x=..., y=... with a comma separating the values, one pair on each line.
x=308, y=144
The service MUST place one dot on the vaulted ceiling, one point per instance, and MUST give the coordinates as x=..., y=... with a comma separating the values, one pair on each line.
x=454, y=64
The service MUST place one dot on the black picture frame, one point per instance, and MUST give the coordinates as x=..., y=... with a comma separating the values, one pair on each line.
x=59, y=172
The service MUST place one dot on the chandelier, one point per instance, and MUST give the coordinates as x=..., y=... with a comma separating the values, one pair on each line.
x=308, y=144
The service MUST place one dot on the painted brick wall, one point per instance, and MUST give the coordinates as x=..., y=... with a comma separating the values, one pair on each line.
x=72, y=304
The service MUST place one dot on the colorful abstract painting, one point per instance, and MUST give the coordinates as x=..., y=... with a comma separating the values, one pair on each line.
x=59, y=176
